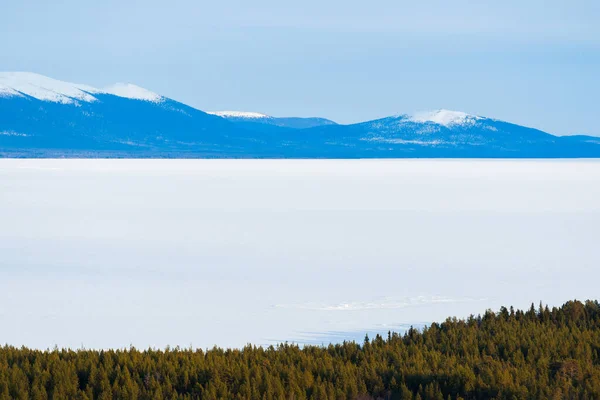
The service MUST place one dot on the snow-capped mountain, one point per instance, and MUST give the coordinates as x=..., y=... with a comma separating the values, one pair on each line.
x=448, y=133
x=40, y=115
x=43, y=117
x=449, y=128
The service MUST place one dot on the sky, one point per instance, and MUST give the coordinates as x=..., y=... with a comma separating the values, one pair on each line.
x=533, y=63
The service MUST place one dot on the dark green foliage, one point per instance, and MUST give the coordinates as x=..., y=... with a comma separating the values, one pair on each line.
x=537, y=354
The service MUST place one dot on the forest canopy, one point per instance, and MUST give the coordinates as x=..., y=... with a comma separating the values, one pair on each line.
x=539, y=353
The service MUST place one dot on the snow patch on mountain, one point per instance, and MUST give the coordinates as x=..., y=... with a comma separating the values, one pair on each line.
x=435, y=142
x=131, y=91
x=238, y=114
x=12, y=133
x=444, y=117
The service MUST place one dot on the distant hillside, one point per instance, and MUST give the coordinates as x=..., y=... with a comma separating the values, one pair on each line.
x=541, y=353
x=44, y=117
x=252, y=118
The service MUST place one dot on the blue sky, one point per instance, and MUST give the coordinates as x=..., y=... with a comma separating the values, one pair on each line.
x=535, y=63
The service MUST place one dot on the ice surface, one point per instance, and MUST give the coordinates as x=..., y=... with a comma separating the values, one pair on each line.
x=108, y=253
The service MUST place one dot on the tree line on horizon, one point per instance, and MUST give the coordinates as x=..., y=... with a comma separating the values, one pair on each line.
x=539, y=353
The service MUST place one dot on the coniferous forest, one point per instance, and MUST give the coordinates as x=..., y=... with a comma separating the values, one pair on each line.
x=540, y=353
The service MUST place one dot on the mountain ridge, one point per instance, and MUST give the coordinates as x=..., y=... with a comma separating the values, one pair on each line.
x=250, y=118
x=41, y=116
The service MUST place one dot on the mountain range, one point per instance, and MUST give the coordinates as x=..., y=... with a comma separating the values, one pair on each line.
x=44, y=117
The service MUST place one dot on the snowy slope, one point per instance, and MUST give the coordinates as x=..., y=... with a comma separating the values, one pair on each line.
x=47, y=89
x=43, y=88
x=131, y=91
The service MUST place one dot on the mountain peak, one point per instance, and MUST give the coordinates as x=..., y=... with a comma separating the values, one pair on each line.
x=444, y=117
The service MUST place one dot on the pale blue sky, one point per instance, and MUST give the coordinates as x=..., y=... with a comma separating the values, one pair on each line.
x=535, y=63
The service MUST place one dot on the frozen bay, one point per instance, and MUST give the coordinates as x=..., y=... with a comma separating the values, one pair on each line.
x=108, y=253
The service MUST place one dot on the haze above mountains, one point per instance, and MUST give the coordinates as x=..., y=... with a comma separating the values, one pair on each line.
x=44, y=117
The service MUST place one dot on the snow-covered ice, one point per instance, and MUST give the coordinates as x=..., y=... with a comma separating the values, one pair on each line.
x=108, y=253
